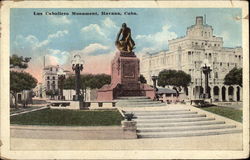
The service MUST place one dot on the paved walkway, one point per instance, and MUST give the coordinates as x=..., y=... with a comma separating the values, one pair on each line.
x=217, y=142
x=32, y=109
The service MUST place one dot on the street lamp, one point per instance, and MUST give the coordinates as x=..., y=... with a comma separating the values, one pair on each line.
x=206, y=71
x=77, y=66
x=154, y=79
x=61, y=78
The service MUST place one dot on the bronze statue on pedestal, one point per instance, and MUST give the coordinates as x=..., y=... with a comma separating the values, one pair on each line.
x=126, y=43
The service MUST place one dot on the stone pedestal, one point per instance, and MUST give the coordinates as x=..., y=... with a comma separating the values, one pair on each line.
x=129, y=129
x=125, y=73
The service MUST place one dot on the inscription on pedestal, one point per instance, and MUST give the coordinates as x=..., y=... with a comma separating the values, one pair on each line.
x=128, y=70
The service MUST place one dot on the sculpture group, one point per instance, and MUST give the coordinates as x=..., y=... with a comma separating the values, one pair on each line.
x=126, y=43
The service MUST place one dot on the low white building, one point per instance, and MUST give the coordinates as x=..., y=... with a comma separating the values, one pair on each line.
x=188, y=54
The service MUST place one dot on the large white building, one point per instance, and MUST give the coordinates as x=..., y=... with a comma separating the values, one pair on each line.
x=50, y=78
x=189, y=53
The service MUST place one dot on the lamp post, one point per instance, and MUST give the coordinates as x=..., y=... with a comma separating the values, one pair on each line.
x=77, y=66
x=206, y=70
x=61, y=78
x=154, y=79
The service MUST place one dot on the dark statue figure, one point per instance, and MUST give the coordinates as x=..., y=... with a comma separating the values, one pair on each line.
x=126, y=43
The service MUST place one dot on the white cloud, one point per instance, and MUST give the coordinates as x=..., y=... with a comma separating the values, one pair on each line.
x=50, y=37
x=33, y=42
x=94, y=47
x=158, y=40
x=94, y=28
x=57, y=56
x=59, y=20
x=107, y=22
x=104, y=30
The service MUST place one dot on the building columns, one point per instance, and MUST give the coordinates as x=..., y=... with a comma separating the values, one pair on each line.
x=220, y=93
x=235, y=94
x=226, y=93
x=212, y=93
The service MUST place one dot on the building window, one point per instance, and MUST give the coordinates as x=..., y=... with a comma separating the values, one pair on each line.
x=228, y=64
x=48, y=77
x=56, y=69
x=216, y=75
x=220, y=63
x=53, y=78
x=51, y=69
x=202, y=44
x=215, y=45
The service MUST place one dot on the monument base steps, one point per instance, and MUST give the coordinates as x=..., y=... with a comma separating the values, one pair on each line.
x=137, y=101
x=178, y=123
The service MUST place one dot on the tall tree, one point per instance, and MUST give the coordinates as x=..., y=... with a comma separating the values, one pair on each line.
x=234, y=77
x=20, y=81
x=174, y=78
x=19, y=61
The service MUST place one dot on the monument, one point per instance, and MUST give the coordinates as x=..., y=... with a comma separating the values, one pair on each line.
x=125, y=71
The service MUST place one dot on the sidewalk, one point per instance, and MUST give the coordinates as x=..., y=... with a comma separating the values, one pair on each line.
x=218, y=142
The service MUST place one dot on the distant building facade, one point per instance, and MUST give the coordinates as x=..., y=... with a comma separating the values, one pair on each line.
x=50, y=78
x=188, y=54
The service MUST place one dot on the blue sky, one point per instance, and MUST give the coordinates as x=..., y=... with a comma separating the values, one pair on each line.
x=58, y=37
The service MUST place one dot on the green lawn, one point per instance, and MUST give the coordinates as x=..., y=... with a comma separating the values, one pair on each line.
x=226, y=112
x=59, y=117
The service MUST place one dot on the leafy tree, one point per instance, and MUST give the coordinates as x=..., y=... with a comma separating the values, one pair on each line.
x=88, y=81
x=142, y=79
x=19, y=61
x=52, y=93
x=234, y=77
x=20, y=81
x=69, y=83
x=174, y=78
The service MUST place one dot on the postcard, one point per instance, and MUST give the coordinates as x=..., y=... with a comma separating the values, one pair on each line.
x=124, y=80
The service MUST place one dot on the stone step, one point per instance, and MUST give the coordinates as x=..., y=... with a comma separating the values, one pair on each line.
x=178, y=124
x=134, y=100
x=139, y=121
x=189, y=133
x=139, y=102
x=165, y=113
x=158, y=111
x=169, y=116
x=132, y=97
x=184, y=128
x=142, y=105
